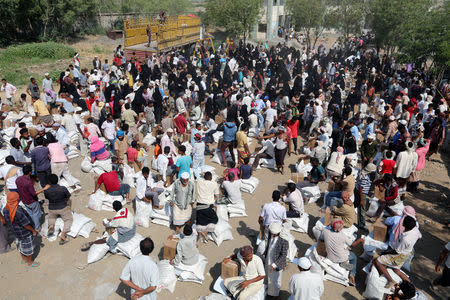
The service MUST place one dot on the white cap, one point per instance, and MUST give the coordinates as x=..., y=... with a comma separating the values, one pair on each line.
x=169, y=130
x=371, y=136
x=303, y=262
x=78, y=109
x=46, y=74
x=56, y=124
x=184, y=175
x=403, y=122
x=275, y=228
x=40, y=127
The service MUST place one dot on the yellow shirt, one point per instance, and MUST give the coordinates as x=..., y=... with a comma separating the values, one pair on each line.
x=241, y=139
x=40, y=108
x=128, y=116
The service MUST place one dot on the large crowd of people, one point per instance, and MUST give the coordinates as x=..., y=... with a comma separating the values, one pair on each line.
x=353, y=117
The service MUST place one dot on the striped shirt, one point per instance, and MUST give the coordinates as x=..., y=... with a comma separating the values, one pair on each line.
x=364, y=182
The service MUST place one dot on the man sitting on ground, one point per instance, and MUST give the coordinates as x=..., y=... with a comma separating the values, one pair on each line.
x=295, y=200
x=336, y=243
x=252, y=268
x=120, y=229
x=187, y=252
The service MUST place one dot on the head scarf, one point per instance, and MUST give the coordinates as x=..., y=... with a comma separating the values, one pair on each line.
x=12, y=203
x=399, y=228
x=96, y=144
x=335, y=223
x=50, y=93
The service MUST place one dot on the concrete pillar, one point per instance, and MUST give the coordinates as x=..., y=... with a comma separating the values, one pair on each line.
x=269, y=31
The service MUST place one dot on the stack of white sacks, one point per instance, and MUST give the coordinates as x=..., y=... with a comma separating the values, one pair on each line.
x=102, y=201
x=331, y=271
x=249, y=185
x=194, y=273
x=81, y=225
x=375, y=283
x=129, y=249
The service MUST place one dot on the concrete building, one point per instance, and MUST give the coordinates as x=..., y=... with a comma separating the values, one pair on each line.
x=274, y=15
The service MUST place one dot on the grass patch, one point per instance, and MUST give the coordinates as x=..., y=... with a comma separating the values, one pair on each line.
x=15, y=60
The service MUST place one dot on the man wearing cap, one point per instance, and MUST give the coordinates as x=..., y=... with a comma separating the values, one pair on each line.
x=305, y=285
x=167, y=141
x=182, y=199
x=252, y=268
x=337, y=243
x=363, y=188
x=47, y=82
x=369, y=149
x=121, y=145
x=271, y=116
x=276, y=258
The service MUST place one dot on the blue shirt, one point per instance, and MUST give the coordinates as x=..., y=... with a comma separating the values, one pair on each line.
x=40, y=158
x=355, y=132
x=184, y=163
x=229, y=132
x=76, y=73
x=369, y=130
x=68, y=106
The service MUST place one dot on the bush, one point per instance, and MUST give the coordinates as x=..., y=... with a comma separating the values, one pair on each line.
x=49, y=50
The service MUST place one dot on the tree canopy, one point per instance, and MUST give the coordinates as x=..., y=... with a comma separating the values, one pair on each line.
x=236, y=16
x=310, y=17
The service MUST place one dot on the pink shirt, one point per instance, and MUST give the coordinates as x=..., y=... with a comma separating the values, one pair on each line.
x=56, y=153
x=421, y=153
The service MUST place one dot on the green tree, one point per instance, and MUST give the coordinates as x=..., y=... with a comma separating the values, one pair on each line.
x=172, y=7
x=236, y=16
x=414, y=31
x=349, y=16
x=310, y=17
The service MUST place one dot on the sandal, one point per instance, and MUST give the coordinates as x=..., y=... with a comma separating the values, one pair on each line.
x=34, y=265
x=65, y=241
x=85, y=247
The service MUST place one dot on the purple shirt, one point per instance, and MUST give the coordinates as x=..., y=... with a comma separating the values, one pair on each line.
x=40, y=158
x=26, y=190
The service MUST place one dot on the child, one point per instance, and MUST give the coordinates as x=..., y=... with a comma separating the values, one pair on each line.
x=141, y=156
x=157, y=150
x=245, y=169
x=386, y=166
x=132, y=155
x=232, y=169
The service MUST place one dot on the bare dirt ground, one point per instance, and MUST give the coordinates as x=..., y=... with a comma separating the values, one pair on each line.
x=63, y=273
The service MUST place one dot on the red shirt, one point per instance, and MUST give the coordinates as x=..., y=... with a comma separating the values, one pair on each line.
x=181, y=123
x=110, y=180
x=293, y=126
x=388, y=166
x=132, y=154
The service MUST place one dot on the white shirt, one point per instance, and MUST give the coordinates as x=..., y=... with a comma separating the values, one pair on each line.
x=123, y=218
x=68, y=122
x=270, y=115
x=198, y=151
x=9, y=90
x=273, y=212
x=233, y=190
x=179, y=103
x=247, y=101
x=306, y=286
x=253, y=120
x=109, y=130
x=11, y=181
x=406, y=163
x=162, y=163
x=253, y=269
x=405, y=244
x=62, y=137
x=296, y=201
x=206, y=189
x=142, y=184
x=143, y=272
x=318, y=110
